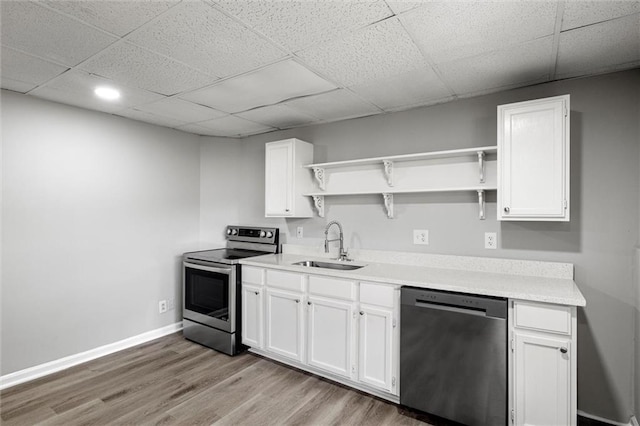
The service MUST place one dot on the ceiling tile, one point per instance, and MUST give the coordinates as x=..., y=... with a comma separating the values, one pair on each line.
x=334, y=105
x=578, y=13
x=15, y=85
x=375, y=52
x=599, y=47
x=137, y=67
x=418, y=87
x=147, y=117
x=280, y=116
x=18, y=67
x=204, y=38
x=42, y=32
x=517, y=65
x=181, y=110
x=269, y=85
x=401, y=6
x=299, y=24
x=197, y=129
x=458, y=29
x=117, y=17
x=234, y=126
x=76, y=87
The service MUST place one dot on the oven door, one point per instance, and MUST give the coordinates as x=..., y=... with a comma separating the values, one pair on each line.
x=210, y=295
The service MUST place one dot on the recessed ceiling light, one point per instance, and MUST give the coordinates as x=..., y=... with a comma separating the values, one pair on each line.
x=107, y=93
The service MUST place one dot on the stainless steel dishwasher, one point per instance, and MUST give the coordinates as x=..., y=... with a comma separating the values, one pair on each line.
x=453, y=355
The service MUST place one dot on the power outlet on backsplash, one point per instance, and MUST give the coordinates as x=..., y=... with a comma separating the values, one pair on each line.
x=421, y=236
x=490, y=240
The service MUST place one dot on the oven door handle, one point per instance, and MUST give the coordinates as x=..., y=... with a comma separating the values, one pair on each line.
x=194, y=265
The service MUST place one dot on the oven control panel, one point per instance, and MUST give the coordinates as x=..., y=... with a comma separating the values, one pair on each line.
x=251, y=234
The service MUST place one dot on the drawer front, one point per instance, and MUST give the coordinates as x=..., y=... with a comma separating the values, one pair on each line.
x=377, y=294
x=549, y=318
x=252, y=275
x=332, y=287
x=286, y=280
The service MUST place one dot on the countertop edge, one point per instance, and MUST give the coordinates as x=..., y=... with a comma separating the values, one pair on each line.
x=537, y=289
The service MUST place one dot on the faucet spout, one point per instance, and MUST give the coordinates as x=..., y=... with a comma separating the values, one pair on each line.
x=343, y=254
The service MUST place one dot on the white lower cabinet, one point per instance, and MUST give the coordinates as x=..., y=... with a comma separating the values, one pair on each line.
x=318, y=323
x=252, y=315
x=330, y=336
x=542, y=377
x=376, y=347
x=544, y=364
x=285, y=323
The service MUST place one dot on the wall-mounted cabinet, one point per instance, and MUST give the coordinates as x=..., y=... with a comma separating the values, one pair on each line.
x=286, y=179
x=469, y=170
x=533, y=160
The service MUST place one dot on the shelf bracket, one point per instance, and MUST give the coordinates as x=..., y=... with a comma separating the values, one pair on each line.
x=481, y=204
x=318, y=173
x=318, y=201
x=388, y=171
x=481, y=165
x=388, y=204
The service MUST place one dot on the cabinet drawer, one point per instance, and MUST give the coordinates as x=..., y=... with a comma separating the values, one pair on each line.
x=332, y=287
x=377, y=294
x=286, y=280
x=550, y=318
x=251, y=275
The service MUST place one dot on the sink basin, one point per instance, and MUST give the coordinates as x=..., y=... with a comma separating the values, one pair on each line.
x=328, y=265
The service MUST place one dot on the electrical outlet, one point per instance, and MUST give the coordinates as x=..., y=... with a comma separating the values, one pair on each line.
x=421, y=236
x=490, y=240
x=162, y=306
x=171, y=304
x=299, y=232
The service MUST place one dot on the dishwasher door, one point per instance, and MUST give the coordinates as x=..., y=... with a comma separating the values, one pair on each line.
x=453, y=355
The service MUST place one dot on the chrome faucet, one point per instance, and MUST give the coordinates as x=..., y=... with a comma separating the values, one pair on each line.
x=343, y=254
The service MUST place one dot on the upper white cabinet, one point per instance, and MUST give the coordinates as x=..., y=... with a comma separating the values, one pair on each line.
x=533, y=160
x=286, y=180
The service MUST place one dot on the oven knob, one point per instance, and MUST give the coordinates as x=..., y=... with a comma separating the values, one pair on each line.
x=263, y=234
x=269, y=234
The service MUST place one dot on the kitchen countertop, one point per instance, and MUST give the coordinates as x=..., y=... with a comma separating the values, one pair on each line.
x=458, y=276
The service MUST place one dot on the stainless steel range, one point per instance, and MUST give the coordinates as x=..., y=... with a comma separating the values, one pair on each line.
x=211, y=296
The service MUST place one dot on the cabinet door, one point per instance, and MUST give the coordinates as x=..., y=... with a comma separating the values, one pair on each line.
x=542, y=381
x=533, y=160
x=376, y=347
x=279, y=179
x=284, y=323
x=252, y=315
x=330, y=335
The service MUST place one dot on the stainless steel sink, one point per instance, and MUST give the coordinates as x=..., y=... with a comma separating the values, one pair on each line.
x=328, y=265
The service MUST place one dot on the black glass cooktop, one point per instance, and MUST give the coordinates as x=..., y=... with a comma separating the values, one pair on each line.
x=223, y=255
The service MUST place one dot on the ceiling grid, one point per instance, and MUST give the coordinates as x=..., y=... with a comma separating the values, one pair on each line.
x=237, y=68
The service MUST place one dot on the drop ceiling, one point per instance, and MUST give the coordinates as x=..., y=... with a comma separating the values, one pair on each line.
x=235, y=68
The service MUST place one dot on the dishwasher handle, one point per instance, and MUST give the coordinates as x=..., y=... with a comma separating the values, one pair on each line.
x=471, y=304
x=466, y=311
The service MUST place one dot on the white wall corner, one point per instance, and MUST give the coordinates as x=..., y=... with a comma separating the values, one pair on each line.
x=51, y=367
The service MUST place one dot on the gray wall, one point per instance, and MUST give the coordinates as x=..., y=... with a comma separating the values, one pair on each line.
x=96, y=211
x=600, y=240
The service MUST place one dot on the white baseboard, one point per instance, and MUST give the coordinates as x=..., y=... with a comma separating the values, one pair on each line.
x=37, y=371
x=632, y=421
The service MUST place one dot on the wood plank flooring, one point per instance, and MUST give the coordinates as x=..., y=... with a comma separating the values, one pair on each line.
x=172, y=381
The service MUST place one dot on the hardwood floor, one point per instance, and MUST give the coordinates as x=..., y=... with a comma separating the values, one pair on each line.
x=176, y=382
